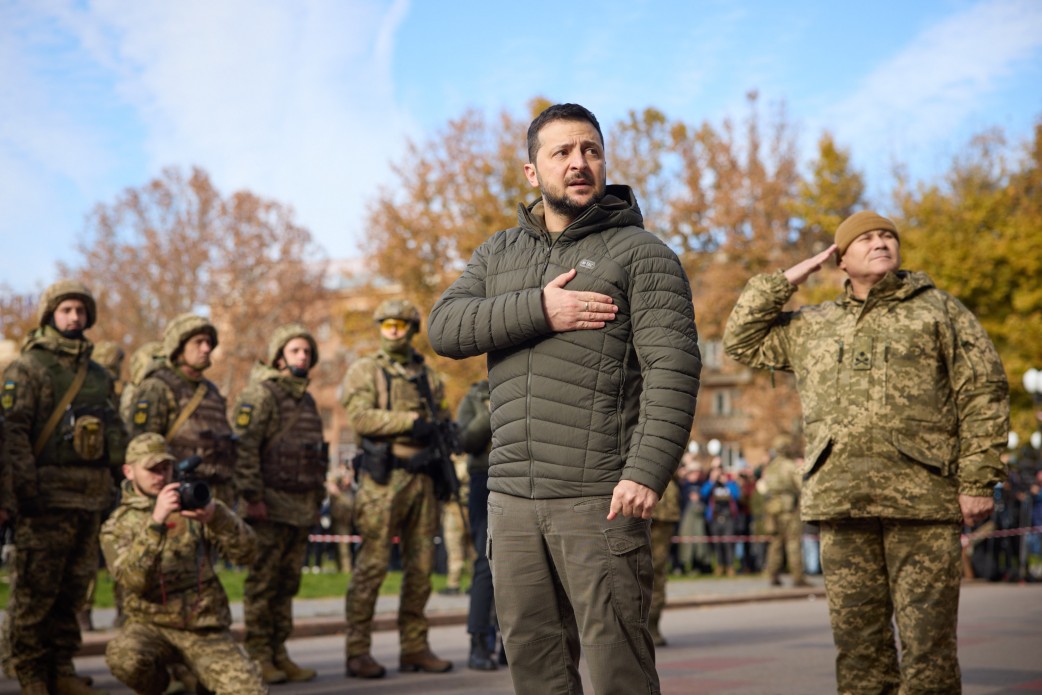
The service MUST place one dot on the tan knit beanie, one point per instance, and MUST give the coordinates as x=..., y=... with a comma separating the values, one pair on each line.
x=859, y=223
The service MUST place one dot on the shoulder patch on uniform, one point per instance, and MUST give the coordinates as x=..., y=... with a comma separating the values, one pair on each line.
x=244, y=416
x=140, y=413
x=8, y=397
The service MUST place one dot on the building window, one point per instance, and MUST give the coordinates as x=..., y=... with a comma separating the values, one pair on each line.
x=723, y=402
x=712, y=352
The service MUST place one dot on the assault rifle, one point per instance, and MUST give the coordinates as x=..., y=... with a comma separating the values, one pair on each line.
x=446, y=444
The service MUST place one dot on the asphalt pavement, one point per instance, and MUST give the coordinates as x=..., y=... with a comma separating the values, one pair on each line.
x=317, y=617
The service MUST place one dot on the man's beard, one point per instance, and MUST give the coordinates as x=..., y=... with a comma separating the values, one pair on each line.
x=565, y=206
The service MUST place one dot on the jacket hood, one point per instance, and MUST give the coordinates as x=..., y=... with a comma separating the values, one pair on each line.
x=618, y=208
x=898, y=286
x=133, y=499
x=48, y=338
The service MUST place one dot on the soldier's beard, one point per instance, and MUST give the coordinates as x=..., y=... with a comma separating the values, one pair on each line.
x=298, y=372
x=72, y=334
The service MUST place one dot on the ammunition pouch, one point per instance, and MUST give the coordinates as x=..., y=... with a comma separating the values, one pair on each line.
x=377, y=461
x=217, y=451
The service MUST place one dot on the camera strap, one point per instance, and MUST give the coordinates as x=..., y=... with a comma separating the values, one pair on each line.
x=56, y=416
x=186, y=412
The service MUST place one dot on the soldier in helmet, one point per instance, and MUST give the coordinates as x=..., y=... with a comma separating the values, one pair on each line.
x=62, y=438
x=179, y=402
x=280, y=475
x=396, y=493
x=143, y=361
x=780, y=483
x=160, y=553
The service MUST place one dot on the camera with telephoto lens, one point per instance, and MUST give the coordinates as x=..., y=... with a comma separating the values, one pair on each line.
x=192, y=492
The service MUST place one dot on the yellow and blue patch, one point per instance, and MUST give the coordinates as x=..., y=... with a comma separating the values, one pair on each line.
x=7, y=398
x=140, y=413
x=244, y=416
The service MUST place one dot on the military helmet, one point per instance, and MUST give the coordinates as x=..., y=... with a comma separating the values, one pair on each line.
x=62, y=290
x=141, y=358
x=397, y=309
x=285, y=333
x=180, y=329
x=109, y=355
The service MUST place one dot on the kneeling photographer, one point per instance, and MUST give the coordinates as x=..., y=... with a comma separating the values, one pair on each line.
x=159, y=552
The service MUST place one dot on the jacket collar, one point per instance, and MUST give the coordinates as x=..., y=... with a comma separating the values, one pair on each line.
x=618, y=208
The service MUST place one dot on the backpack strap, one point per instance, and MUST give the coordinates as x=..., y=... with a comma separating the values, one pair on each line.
x=186, y=412
x=56, y=416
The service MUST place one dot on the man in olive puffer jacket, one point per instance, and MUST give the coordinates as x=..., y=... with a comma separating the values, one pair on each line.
x=593, y=368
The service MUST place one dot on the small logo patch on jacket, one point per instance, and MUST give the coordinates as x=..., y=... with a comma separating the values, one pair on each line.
x=244, y=416
x=141, y=413
x=587, y=264
x=7, y=399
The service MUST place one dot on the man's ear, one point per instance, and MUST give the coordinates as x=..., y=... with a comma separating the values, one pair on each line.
x=532, y=175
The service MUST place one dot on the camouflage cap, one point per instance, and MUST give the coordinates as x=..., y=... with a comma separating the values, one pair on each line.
x=183, y=327
x=109, y=355
x=285, y=333
x=62, y=290
x=397, y=309
x=148, y=450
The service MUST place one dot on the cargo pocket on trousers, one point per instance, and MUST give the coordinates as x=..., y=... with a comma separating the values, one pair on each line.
x=629, y=571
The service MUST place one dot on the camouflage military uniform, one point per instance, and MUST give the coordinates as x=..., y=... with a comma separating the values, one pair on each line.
x=62, y=485
x=282, y=462
x=779, y=485
x=380, y=401
x=459, y=551
x=175, y=606
x=143, y=362
x=664, y=520
x=905, y=407
x=161, y=397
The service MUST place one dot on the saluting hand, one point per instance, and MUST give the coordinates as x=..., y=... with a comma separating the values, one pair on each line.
x=799, y=273
x=568, y=310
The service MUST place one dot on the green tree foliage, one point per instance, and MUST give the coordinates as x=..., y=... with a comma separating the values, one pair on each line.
x=978, y=233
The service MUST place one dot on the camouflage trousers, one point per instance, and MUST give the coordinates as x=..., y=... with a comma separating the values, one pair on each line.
x=341, y=513
x=57, y=559
x=405, y=507
x=661, y=540
x=141, y=655
x=881, y=571
x=786, y=531
x=459, y=551
x=273, y=581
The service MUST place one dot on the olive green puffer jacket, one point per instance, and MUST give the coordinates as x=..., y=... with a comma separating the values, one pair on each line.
x=575, y=412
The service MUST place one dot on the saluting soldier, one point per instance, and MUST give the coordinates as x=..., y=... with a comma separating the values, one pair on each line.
x=280, y=475
x=906, y=415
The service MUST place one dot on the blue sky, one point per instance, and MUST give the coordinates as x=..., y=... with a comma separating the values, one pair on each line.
x=309, y=101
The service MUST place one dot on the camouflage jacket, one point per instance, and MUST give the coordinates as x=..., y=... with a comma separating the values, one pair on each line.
x=668, y=508
x=158, y=402
x=380, y=398
x=166, y=571
x=33, y=386
x=258, y=421
x=905, y=401
x=780, y=484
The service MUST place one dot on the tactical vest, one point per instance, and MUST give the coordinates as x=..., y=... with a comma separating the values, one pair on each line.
x=90, y=428
x=206, y=433
x=296, y=458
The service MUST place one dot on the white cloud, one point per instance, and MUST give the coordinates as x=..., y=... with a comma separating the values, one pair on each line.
x=918, y=100
x=291, y=100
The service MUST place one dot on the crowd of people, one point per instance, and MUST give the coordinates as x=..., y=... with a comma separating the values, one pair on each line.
x=575, y=453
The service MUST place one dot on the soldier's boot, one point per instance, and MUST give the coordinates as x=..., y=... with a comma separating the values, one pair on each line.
x=272, y=673
x=364, y=666
x=801, y=583
x=656, y=636
x=182, y=680
x=74, y=685
x=294, y=673
x=775, y=580
x=424, y=661
x=35, y=688
x=480, y=659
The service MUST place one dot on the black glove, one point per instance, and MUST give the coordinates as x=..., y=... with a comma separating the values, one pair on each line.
x=422, y=430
